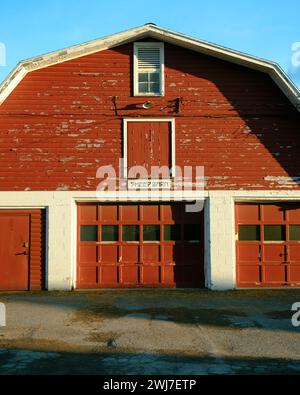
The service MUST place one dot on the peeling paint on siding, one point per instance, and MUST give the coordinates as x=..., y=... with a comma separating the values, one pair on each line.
x=284, y=181
x=67, y=159
x=68, y=128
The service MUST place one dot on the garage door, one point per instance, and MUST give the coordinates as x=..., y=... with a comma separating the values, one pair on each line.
x=268, y=245
x=22, y=250
x=133, y=245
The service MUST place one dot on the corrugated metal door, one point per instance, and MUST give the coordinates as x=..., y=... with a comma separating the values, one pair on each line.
x=268, y=245
x=149, y=144
x=22, y=250
x=139, y=245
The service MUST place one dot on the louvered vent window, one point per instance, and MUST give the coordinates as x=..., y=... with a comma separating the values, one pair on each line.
x=148, y=65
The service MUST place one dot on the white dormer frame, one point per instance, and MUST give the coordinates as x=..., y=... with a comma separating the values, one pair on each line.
x=136, y=71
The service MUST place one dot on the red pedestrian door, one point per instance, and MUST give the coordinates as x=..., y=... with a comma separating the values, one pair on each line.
x=14, y=252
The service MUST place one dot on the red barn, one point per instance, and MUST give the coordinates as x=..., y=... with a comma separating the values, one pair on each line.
x=136, y=110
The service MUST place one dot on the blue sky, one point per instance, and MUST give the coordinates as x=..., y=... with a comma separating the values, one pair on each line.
x=265, y=28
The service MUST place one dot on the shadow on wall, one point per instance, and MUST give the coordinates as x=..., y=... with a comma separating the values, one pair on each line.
x=264, y=148
x=249, y=128
x=188, y=251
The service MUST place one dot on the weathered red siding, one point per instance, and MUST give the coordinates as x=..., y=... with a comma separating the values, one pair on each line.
x=60, y=125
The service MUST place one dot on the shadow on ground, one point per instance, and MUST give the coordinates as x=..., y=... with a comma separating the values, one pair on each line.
x=24, y=362
x=153, y=332
x=264, y=309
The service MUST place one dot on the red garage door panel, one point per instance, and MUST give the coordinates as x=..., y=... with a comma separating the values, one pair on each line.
x=273, y=253
x=248, y=254
x=272, y=214
x=145, y=245
x=268, y=245
x=248, y=213
x=294, y=274
x=249, y=276
x=129, y=274
x=274, y=276
x=294, y=258
x=248, y=271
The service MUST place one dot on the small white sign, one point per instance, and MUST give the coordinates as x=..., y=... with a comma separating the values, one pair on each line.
x=145, y=185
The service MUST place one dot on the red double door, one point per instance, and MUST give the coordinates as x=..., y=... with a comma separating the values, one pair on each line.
x=149, y=145
x=268, y=245
x=139, y=245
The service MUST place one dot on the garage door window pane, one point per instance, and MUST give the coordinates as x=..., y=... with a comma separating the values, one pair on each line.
x=192, y=233
x=249, y=232
x=274, y=232
x=110, y=233
x=172, y=232
x=131, y=233
x=89, y=233
x=295, y=232
x=151, y=233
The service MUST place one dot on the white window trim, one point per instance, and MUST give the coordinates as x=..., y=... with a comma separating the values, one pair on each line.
x=162, y=68
x=125, y=141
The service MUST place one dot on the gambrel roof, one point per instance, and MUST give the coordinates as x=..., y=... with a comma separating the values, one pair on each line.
x=156, y=32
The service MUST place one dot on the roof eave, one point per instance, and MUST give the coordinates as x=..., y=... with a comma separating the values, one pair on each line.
x=150, y=30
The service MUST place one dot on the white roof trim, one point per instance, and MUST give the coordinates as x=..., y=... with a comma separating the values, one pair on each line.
x=150, y=30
